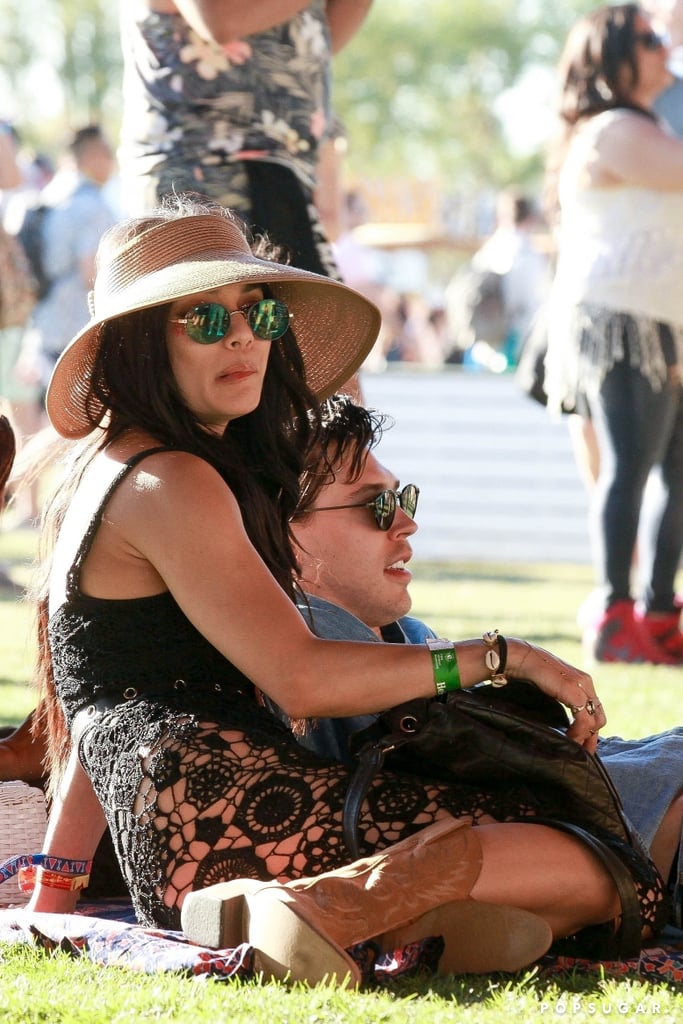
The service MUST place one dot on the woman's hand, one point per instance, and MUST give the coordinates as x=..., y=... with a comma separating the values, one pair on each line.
x=567, y=684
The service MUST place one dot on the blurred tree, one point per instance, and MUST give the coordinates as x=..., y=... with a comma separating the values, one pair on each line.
x=61, y=65
x=418, y=85
x=92, y=59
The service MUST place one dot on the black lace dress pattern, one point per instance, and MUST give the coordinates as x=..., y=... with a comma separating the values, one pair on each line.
x=201, y=784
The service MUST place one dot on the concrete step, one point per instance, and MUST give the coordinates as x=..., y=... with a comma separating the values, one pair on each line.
x=497, y=476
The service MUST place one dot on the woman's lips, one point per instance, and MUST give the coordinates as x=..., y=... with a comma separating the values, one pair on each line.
x=237, y=374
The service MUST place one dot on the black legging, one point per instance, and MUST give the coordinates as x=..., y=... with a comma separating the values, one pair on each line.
x=637, y=428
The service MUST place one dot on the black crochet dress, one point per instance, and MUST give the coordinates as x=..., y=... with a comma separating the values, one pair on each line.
x=201, y=784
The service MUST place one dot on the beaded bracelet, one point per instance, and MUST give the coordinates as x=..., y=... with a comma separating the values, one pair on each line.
x=444, y=665
x=496, y=660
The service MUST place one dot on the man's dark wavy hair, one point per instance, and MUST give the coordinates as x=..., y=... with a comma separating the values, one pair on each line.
x=347, y=432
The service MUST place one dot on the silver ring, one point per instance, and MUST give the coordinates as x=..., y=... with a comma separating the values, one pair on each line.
x=590, y=707
x=575, y=708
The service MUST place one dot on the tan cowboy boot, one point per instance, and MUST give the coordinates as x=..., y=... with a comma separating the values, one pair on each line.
x=416, y=888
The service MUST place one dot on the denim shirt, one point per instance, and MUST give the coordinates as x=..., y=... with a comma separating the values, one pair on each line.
x=329, y=737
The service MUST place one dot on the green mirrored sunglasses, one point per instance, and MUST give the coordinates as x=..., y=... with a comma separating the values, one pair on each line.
x=208, y=322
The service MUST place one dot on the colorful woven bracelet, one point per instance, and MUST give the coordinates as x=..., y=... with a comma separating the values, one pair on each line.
x=62, y=865
x=496, y=660
x=444, y=665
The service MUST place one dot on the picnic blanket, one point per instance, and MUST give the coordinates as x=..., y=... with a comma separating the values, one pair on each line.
x=106, y=933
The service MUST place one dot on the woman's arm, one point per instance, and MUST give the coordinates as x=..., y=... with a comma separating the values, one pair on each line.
x=177, y=515
x=74, y=830
x=636, y=150
x=10, y=173
x=223, y=21
x=345, y=17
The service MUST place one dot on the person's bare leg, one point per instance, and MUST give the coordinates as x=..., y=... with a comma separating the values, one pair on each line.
x=546, y=872
x=585, y=448
x=22, y=753
x=667, y=840
x=29, y=419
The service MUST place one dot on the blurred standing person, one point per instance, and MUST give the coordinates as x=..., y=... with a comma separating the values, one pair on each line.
x=328, y=195
x=360, y=264
x=492, y=300
x=615, y=330
x=71, y=231
x=17, y=297
x=513, y=251
x=232, y=100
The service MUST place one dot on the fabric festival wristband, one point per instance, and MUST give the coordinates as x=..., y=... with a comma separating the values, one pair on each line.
x=62, y=865
x=444, y=666
x=30, y=875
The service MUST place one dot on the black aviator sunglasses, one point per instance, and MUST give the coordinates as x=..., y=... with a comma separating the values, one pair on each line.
x=384, y=505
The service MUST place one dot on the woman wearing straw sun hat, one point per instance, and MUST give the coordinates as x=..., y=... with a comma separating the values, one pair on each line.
x=167, y=606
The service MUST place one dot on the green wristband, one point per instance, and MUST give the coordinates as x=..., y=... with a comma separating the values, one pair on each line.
x=444, y=666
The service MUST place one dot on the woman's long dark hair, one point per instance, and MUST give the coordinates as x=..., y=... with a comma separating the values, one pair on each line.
x=598, y=71
x=260, y=456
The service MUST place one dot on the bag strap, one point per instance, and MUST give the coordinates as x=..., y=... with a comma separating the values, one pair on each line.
x=370, y=760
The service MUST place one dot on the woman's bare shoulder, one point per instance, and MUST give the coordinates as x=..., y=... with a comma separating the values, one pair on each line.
x=151, y=458
x=173, y=479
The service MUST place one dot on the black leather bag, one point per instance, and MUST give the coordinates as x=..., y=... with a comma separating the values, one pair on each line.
x=496, y=739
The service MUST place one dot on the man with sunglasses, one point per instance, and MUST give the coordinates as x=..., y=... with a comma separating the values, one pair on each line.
x=353, y=531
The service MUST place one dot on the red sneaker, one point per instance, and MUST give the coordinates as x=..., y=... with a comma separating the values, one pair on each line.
x=663, y=629
x=620, y=637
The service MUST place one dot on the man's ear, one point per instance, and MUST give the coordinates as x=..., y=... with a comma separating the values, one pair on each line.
x=310, y=567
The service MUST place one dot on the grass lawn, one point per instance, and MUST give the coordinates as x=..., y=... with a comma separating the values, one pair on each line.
x=538, y=602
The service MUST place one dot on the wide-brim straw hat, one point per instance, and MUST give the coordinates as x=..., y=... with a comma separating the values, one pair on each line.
x=335, y=326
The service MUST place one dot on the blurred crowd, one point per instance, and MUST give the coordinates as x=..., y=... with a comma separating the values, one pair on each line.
x=53, y=213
